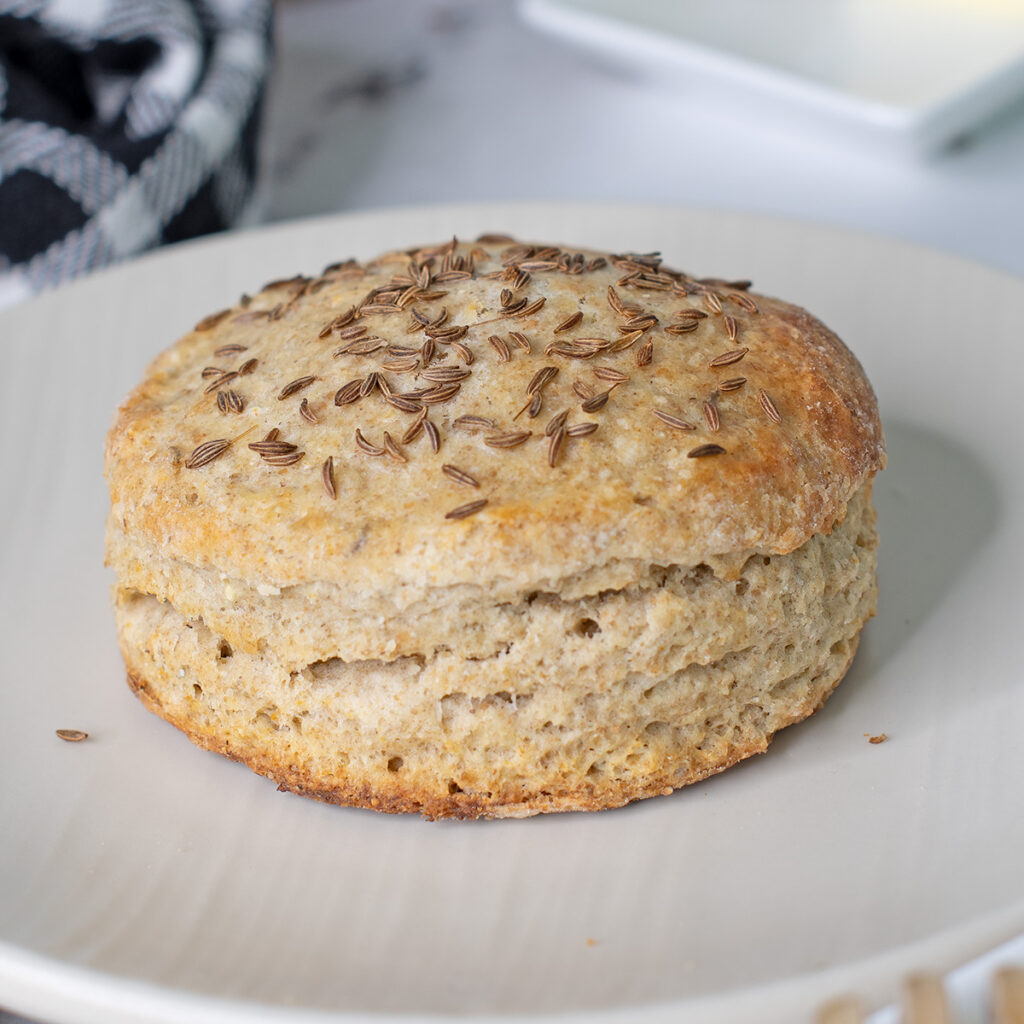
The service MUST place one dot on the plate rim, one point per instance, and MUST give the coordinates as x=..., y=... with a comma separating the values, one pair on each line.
x=466, y=208
x=82, y=995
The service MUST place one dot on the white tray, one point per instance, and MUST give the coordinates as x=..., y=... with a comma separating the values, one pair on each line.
x=907, y=74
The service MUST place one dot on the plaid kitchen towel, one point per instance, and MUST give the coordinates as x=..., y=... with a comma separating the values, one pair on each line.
x=124, y=124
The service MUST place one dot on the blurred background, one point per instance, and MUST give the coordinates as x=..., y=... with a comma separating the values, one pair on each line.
x=379, y=102
x=126, y=125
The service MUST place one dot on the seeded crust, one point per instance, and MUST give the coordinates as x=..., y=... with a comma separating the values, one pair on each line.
x=629, y=619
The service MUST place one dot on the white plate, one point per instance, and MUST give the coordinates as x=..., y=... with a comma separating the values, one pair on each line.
x=142, y=880
x=909, y=73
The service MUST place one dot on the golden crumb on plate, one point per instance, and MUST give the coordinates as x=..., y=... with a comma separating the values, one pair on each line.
x=72, y=735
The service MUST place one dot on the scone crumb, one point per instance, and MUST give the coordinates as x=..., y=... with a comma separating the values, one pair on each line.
x=592, y=942
x=880, y=738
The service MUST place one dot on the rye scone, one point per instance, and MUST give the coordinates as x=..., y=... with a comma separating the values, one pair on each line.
x=489, y=529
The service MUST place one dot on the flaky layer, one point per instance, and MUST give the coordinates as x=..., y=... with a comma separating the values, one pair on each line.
x=564, y=705
x=663, y=616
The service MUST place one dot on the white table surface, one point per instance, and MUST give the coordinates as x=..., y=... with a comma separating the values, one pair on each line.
x=380, y=102
x=384, y=102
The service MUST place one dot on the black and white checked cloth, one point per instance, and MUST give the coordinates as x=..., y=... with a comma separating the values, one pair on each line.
x=124, y=124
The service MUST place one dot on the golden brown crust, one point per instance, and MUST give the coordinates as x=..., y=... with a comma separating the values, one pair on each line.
x=629, y=487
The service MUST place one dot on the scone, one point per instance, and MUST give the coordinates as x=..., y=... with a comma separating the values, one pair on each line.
x=489, y=529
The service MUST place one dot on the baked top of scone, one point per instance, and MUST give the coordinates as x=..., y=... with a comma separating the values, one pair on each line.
x=519, y=410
